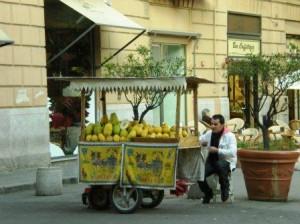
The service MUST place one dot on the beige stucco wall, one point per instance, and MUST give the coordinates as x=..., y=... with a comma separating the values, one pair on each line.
x=209, y=18
x=24, y=134
x=23, y=64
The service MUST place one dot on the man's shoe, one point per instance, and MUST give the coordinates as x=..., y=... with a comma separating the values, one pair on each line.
x=224, y=195
x=207, y=198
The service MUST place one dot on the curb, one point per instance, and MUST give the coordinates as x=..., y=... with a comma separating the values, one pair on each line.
x=30, y=186
x=15, y=188
x=70, y=180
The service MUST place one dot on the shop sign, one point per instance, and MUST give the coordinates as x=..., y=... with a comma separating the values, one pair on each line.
x=242, y=47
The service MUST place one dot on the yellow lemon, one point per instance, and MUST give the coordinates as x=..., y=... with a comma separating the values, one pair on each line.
x=101, y=137
x=116, y=138
x=88, y=138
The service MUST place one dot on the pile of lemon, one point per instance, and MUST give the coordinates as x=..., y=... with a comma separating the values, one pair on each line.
x=112, y=130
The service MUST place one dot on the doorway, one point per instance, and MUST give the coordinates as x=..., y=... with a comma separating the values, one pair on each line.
x=239, y=97
x=63, y=25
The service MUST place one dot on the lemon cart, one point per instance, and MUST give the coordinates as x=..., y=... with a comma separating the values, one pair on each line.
x=129, y=164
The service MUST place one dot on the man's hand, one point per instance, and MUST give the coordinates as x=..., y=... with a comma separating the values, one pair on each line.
x=213, y=149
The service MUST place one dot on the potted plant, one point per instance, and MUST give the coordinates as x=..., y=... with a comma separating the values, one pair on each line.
x=267, y=172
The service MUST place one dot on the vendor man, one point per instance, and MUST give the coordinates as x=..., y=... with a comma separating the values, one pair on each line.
x=221, y=159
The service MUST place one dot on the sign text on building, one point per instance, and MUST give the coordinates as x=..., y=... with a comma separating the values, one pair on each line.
x=242, y=47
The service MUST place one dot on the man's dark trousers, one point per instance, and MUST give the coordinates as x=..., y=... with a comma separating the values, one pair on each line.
x=222, y=169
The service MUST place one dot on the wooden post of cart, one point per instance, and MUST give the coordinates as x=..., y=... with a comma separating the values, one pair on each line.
x=103, y=99
x=177, y=122
x=196, y=118
x=82, y=120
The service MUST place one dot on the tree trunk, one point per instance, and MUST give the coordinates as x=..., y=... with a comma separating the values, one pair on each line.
x=144, y=114
x=135, y=113
x=266, y=124
x=256, y=102
x=266, y=140
x=247, y=102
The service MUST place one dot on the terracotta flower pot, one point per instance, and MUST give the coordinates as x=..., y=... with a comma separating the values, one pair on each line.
x=267, y=174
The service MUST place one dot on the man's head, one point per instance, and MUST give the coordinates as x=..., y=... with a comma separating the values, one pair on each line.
x=217, y=123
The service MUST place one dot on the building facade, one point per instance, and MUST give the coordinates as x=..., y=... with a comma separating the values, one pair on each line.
x=24, y=135
x=208, y=32
x=204, y=32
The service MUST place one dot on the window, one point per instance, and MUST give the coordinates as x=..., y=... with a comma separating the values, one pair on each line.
x=168, y=108
x=244, y=24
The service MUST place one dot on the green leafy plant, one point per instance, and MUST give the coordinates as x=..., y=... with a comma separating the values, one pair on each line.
x=284, y=144
x=269, y=77
x=143, y=65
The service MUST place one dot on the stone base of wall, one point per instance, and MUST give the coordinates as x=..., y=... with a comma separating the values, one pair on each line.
x=24, y=161
x=24, y=138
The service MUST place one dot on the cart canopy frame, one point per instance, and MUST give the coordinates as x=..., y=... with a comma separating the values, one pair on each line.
x=180, y=85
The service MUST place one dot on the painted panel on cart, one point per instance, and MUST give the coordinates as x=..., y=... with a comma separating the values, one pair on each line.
x=100, y=163
x=149, y=166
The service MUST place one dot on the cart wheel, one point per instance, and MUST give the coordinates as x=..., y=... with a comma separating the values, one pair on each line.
x=152, y=198
x=98, y=198
x=126, y=200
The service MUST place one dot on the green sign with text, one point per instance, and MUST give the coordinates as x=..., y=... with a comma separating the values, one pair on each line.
x=242, y=47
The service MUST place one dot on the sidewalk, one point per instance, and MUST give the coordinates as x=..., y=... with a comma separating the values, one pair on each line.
x=24, y=179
